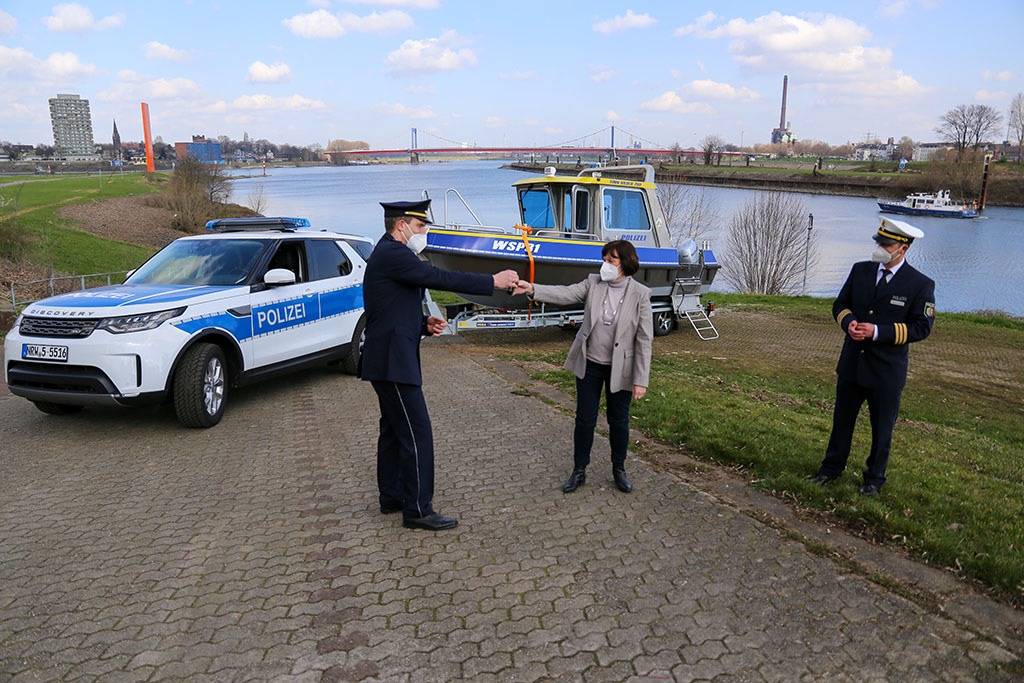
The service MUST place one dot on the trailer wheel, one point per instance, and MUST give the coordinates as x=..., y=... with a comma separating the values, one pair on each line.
x=664, y=322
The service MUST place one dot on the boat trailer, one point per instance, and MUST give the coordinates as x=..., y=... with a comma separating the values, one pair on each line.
x=684, y=303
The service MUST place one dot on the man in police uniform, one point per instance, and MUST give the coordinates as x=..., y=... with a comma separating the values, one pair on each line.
x=393, y=296
x=884, y=305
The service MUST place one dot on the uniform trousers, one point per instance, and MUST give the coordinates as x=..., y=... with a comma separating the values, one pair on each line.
x=596, y=379
x=883, y=407
x=405, y=449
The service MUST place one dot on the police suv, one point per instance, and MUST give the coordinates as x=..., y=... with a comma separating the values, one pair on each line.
x=253, y=298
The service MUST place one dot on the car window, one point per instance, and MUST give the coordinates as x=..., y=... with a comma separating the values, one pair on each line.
x=290, y=255
x=326, y=260
x=362, y=247
x=200, y=262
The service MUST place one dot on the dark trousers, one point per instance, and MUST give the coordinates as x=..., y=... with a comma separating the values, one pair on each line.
x=588, y=400
x=405, y=449
x=883, y=407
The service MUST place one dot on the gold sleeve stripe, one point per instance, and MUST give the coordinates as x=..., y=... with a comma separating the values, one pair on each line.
x=842, y=314
x=901, y=333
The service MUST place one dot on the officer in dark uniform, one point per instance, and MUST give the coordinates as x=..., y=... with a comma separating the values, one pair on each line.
x=393, y=290
x=884, y=305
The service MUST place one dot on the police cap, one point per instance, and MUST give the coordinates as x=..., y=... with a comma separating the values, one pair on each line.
x=896, y=232
x=413, y=209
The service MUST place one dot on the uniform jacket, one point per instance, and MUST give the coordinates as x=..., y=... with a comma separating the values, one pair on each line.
x=393, y=298
x=631, y=355
x=903, y=311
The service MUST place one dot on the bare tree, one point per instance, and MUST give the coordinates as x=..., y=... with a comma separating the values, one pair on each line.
x=257, y=200
x=1017, y=121
x=768, y=244
x=689, y=212
x=905, y=148
x=968, y=125
x=709, y=146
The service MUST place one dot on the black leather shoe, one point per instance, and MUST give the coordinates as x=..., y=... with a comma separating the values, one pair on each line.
x=622, y=481
x=388, y=508
x=869, y=490
x=822, y=479
x=432, y=522
x=577, y=479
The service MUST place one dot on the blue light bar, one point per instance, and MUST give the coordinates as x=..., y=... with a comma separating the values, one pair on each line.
x=257, y=223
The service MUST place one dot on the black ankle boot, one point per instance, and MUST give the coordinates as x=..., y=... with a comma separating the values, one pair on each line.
x=621, y=480
x=575, y=480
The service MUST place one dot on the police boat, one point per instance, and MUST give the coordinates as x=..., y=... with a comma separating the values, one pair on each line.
x=565, y=220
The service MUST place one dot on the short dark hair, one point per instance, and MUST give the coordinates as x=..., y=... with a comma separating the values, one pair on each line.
x=626, y=252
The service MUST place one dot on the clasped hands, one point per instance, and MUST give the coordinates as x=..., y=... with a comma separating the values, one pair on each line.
x=860, y=331
x=509, y=280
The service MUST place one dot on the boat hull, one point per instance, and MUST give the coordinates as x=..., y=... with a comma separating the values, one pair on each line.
x=888, y=207
x=555, y=261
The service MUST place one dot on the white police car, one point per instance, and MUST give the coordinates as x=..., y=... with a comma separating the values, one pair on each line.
x=256, y=297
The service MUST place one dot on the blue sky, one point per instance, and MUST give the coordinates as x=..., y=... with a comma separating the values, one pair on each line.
x=488, y=73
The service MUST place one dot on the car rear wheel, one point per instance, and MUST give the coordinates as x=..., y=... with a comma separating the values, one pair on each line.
x=350, y=363
x=664, y=322
x=56, y=408
x=201, y=386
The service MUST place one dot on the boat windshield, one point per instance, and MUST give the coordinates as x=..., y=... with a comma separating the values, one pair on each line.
x=625, y=209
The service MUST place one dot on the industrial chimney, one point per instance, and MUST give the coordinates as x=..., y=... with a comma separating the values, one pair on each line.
x=785, y=88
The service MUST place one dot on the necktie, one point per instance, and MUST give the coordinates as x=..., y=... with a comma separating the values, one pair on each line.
x=884, y=280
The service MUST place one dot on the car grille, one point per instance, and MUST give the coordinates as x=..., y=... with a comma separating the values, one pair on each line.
x=57, y=327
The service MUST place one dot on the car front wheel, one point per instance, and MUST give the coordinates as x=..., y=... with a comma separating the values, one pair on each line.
x=201, y=386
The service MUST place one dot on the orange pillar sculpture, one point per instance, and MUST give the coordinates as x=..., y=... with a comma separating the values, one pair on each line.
x=150, y=167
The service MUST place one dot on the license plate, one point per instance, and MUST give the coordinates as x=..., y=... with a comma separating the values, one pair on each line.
x=44, y=352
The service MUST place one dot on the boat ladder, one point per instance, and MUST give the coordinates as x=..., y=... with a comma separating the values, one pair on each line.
x=702, y=324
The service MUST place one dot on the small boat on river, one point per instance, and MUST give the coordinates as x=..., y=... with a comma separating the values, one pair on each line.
x=565, y=220
x=930, y=204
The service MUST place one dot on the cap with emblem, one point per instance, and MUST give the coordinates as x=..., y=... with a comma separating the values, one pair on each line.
x=896, y=232
x=413, y=209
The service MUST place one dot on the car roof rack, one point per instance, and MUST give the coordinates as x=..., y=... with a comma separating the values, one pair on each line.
x=255, y=223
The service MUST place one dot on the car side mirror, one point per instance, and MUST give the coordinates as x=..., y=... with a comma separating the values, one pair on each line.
x=276, y=277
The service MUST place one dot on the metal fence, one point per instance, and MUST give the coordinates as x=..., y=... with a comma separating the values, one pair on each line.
x=24, y=293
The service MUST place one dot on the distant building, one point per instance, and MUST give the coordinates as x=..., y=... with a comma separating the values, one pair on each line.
x=783, y=134
x=929, y=151
x=72, y=128
x=116, y=141
x=206, y=151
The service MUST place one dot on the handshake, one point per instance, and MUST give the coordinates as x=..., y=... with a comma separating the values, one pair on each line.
x=510, y=282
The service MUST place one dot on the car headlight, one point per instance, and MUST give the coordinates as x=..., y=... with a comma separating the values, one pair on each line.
x=138, y=323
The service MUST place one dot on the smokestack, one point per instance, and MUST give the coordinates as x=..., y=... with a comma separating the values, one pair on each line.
x=785, y=87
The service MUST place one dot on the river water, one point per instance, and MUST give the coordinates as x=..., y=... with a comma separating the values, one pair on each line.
x=976, y=264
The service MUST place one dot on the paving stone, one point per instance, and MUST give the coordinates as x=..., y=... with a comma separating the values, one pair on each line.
x=255, y=551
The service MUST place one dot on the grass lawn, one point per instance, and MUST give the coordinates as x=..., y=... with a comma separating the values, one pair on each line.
x=761, y=402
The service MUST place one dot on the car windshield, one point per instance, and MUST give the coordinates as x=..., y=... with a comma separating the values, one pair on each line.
x=200, y=262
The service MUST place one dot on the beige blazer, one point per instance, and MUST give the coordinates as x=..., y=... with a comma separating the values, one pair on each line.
x=631, y=355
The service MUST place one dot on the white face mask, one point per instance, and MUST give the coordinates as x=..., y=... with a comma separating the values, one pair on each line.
x=882, y=255
x=415, y=240
x=609, y=272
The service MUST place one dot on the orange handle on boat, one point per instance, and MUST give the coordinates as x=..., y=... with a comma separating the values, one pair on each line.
x=526, y=230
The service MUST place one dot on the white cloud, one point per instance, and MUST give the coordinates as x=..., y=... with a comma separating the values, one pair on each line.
x=624, y=23
x=268, y=73
x=721, y=91
x=600, y=74
x=266, y=102
x=612, y=115
x=75, y=18
x=429, y=56
x=699, y=26
x=894, y=9
x=57, y=69
x=418, y=113
x=7, y=23
x=392, y=20
x=495, y=122
x=420, y=89
x=132, y=86
x=671, y=102
x=318, y=24
x=155, y=50
x=991, y=96
x=324, y=24
x=1004, y=75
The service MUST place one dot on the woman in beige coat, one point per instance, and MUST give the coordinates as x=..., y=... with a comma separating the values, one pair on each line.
x=612, y=351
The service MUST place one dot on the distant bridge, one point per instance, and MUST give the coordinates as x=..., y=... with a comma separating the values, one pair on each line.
x=562, y=152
